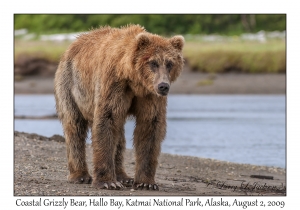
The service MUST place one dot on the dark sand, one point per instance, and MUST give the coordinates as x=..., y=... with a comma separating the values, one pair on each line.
x=188, y=83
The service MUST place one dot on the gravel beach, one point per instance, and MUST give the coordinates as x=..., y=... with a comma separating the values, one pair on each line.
x=40, y=169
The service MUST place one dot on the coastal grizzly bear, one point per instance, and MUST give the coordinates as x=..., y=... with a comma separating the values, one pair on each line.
x=105, y=76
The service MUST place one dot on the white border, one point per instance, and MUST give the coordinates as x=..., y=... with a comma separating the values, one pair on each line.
x=154, y=6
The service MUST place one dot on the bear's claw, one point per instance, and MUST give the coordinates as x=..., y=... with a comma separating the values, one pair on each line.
x=145, y=186
x=108, y=185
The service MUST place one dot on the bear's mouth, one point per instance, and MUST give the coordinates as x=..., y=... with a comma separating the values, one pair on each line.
x=163, y=94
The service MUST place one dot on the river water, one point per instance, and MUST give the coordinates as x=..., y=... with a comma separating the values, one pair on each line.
x=236, y=128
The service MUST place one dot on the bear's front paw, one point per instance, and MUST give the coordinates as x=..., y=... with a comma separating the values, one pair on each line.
x=80, y=178
x=145, y=186
x=110, y=185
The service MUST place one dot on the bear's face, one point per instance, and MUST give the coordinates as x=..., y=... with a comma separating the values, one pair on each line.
x=158, y=61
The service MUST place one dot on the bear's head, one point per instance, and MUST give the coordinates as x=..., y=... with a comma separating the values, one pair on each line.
x=158, y=61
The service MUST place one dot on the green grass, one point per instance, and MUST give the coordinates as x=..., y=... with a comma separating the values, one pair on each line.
x=217, y=57
x=205, y=82
x=245, y=57
x=48, y=50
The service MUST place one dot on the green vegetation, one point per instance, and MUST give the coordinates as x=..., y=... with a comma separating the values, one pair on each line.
x=214, y=57
x=225, y=24
x=50, y=51
x=211, y=57
x=246, y=57
x=205, y=82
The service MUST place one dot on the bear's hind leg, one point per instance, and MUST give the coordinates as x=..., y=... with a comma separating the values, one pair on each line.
x=74, y=125
x=122, y=177
x=75, y=130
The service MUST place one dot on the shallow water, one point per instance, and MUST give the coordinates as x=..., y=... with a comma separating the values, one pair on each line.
x=237, y=128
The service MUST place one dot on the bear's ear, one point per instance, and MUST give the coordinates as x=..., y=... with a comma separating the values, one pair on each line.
x=142, y=40
x=177, y=42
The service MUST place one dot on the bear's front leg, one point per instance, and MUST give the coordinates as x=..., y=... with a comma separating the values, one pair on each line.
x=104, y=147
x=107, y=136
x=108, y=122
x=149, y=133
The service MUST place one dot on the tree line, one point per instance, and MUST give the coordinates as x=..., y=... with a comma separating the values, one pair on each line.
x=165, y=24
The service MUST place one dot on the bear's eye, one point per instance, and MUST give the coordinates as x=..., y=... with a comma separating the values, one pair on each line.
x=153, y=64
x=169, y=65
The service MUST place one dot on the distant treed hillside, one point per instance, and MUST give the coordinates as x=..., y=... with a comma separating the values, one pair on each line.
x=161, y=24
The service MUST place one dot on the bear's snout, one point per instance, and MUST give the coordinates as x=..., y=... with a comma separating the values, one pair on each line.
x=163, y=88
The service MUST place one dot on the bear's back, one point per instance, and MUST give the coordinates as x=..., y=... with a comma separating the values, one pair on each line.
x=99, y=43
x=106, y=32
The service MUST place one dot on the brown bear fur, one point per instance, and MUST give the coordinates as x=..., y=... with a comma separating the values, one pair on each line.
x=106, y=75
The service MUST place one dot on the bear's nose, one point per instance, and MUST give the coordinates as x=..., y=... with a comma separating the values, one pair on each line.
x=163, y=87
